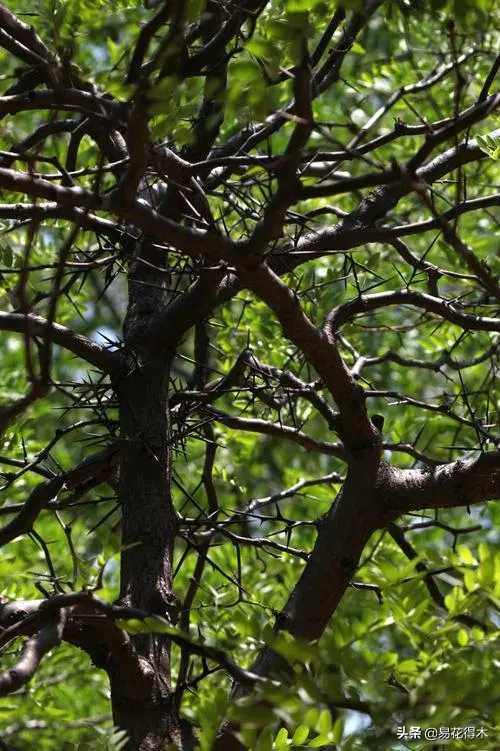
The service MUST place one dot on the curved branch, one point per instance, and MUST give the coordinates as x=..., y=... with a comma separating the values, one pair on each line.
x=388, y=233
x=354, y=230
x=90, y=603
x=66, y=99
x=443, y=308
x=19, y=50
x=357, y=227
x=24, y=34
x=84, y=219
x=89, y=625
x=49, y=636
x=248, y=10
x=445, y=359
x=33, y=325
x=93, y=469
x=251, y=135
x=319, y=347
x=258, y=503
x=190, y=241
x=53, y=127
x=396, y=174
x=278, y=431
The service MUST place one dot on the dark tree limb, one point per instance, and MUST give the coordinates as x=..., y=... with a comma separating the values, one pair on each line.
x=146, y=219
x=48, y=637
x=443, y=308
x=319, y=347
x=463, y=482
x=278, y=431
x=34, y=326
x=93, y=470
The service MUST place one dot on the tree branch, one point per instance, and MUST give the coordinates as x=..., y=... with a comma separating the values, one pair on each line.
x=35, y=326
x=35, y=649
x=459, y=483
x=443, y=308
x=93, y=469
x=190, y=241
x=278, y=431
x=356, y=227
x=319, y=348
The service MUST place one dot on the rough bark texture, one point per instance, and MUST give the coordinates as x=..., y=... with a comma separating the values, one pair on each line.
x=146, y=709
x=229, y=227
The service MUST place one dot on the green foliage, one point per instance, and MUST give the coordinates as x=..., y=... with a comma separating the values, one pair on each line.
x=392, y=655
x=490, y=144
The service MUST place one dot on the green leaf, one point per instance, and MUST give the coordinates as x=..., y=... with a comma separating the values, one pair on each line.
x=251, y=715
x=466, y=554
x=150, y=625
x=6, y=256
x=407, y=666
x=264, y=741
x=300, y=6
x=300, y=735
x=132, y=626
x=319, y=742
x=325, y=722
x=281, y=741
x=338, y=730
x=463, y=637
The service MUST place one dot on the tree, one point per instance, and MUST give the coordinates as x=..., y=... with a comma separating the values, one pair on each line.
x=250, y=319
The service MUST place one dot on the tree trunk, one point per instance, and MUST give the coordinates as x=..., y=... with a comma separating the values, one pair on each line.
x=146, y=711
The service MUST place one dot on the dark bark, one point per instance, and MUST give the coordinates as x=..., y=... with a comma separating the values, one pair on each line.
x=342, y=535
x=146, y=708
x=179, y=218
x=374, y=495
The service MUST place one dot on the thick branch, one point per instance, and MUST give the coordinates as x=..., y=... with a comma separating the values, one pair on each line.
x=459, y=483
x=355, y=228
x=33, y=325
x=149, y=221
x=250, y=9
x=321, y=352
x=342, y=536
x=24, y=34
x=35, y=649
x=474, y=114
x=70, y=100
